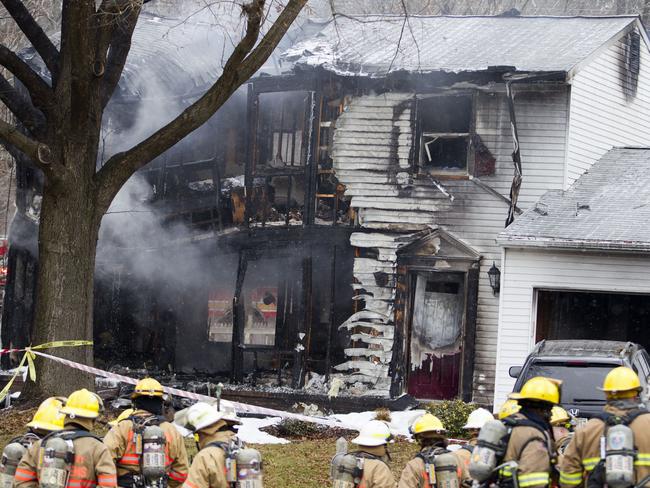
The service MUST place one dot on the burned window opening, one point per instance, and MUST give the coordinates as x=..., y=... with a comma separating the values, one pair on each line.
x=445, y=130
x=631, y=64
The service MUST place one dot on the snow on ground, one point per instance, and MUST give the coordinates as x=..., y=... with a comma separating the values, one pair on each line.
x=250, y=432
x=399, y=424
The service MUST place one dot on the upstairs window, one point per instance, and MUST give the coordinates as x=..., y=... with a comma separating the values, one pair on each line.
x=445, y=125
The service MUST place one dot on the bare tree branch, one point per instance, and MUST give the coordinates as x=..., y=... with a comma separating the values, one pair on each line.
x=36, y=86
x=118, y=50
x=37, y=152
x=34, y=34
x=237, y=70
x=21, y=107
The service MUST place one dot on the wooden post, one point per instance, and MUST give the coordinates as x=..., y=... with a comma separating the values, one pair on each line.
x=238, y=323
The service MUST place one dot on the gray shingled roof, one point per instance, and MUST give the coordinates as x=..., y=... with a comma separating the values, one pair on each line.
x=606, y=208
x=367, y=45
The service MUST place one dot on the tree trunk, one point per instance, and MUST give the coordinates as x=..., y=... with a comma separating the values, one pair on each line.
x=67, y=244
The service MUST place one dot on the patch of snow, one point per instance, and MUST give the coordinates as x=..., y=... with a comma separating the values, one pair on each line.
x=399, y=424
x=249, y=431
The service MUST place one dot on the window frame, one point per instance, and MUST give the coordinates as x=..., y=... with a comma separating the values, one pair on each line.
x=421, y=146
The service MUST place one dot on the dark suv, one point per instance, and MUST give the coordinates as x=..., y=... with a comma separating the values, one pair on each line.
x=581, y=365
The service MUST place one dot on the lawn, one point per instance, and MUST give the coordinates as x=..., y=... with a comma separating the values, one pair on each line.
x=301, y=464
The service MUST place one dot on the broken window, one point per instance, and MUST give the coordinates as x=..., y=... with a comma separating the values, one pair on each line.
x=332, y=205
x=445, y=126
x=631, y=64
x=281, y=129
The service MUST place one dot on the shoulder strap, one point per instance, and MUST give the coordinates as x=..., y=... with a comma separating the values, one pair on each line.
x=145, y=420
x=77, y=434
x=468, y=447
x=224, y=446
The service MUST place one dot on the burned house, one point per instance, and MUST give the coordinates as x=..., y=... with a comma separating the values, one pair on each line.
x=339, y=217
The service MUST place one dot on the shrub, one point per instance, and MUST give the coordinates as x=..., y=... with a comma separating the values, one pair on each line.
x=382, y=414
x=297, y=428
x=453, y=415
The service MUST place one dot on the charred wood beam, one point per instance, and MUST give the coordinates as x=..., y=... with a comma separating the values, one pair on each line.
x=516, y=156
x=38, y=89
x=238, y=318
x=469, y=344
x=330, y=322
x=35, y=34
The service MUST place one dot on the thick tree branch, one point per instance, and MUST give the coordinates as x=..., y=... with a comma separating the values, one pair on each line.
x=112, y=56
x=21, y=107
x=34, y=150
x=35, y=34
x=238, y=69
x=38, y=89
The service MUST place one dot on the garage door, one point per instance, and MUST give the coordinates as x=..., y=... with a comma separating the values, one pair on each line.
x=593, y=315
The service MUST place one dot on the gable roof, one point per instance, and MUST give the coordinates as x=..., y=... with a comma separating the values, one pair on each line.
x=367, y=45
x=607, y=208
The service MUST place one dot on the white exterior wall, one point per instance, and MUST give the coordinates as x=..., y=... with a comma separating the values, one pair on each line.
x=600, y=117
x=526, y=270
x=478, y=217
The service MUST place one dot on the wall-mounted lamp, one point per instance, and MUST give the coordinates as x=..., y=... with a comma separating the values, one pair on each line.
x=495, y=278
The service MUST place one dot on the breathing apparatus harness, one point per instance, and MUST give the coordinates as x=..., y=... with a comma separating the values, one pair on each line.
x=440, y=467
x=58, y=456
x=244, y=466
x=617, y=452
x=150, y=442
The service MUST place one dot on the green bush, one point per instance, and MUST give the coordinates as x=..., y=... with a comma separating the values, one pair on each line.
x=453, y=415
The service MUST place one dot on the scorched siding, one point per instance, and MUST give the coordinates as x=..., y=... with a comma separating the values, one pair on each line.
x=601, y=118
x=527, y=270
x=373, y=154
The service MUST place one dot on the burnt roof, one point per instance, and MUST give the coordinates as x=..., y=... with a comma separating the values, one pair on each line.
x=374, y=45
x=607, y=208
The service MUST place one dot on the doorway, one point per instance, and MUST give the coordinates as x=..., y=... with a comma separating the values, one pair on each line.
x=437, y=322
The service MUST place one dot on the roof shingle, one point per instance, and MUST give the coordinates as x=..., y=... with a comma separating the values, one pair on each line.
x=607, y=208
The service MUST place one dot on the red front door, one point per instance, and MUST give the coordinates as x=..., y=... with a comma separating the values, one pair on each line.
x=437, y=317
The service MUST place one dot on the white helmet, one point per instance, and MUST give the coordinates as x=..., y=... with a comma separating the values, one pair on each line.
x=478, y=418
x=202, y=415
x=374, y=433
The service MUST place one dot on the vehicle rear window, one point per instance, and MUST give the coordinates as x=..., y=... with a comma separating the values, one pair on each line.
x=580, y=379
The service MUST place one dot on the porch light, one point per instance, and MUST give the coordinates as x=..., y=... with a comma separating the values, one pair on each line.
x=495, y=278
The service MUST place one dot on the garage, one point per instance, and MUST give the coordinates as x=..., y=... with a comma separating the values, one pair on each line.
x=563, y=314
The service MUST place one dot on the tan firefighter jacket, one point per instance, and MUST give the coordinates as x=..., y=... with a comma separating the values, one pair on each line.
x=583, y=452
x=464, y=455
x=561, y=445
x=92, y=466
x=120, y=441
x=531, y=449
x=414, y=474
x=376, y=473
x=208, y=469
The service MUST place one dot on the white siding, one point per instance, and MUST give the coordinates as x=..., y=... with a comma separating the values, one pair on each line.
x=526, y=270
x=478, y=217
x=601, y=118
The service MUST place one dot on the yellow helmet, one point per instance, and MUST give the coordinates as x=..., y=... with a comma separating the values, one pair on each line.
x=621, y=379
x=49, y=416
x=510, y=407
x=559, y=416
x=539, y=389
x=124, y=415
x=148, y=387
x=83, y=404
x=427, y=423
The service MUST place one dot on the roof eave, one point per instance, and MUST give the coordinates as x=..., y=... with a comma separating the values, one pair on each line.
x=572, y=244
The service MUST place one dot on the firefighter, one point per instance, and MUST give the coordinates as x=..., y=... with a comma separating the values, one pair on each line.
x=434, y=462
x=530, y=446
x=216, y=441
x=125, y=439
x=508, y=408
x=73, y=456
x=624, y=417
x=372, y=455
x=48, y=418
x=475, y=421
x=562, y=430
